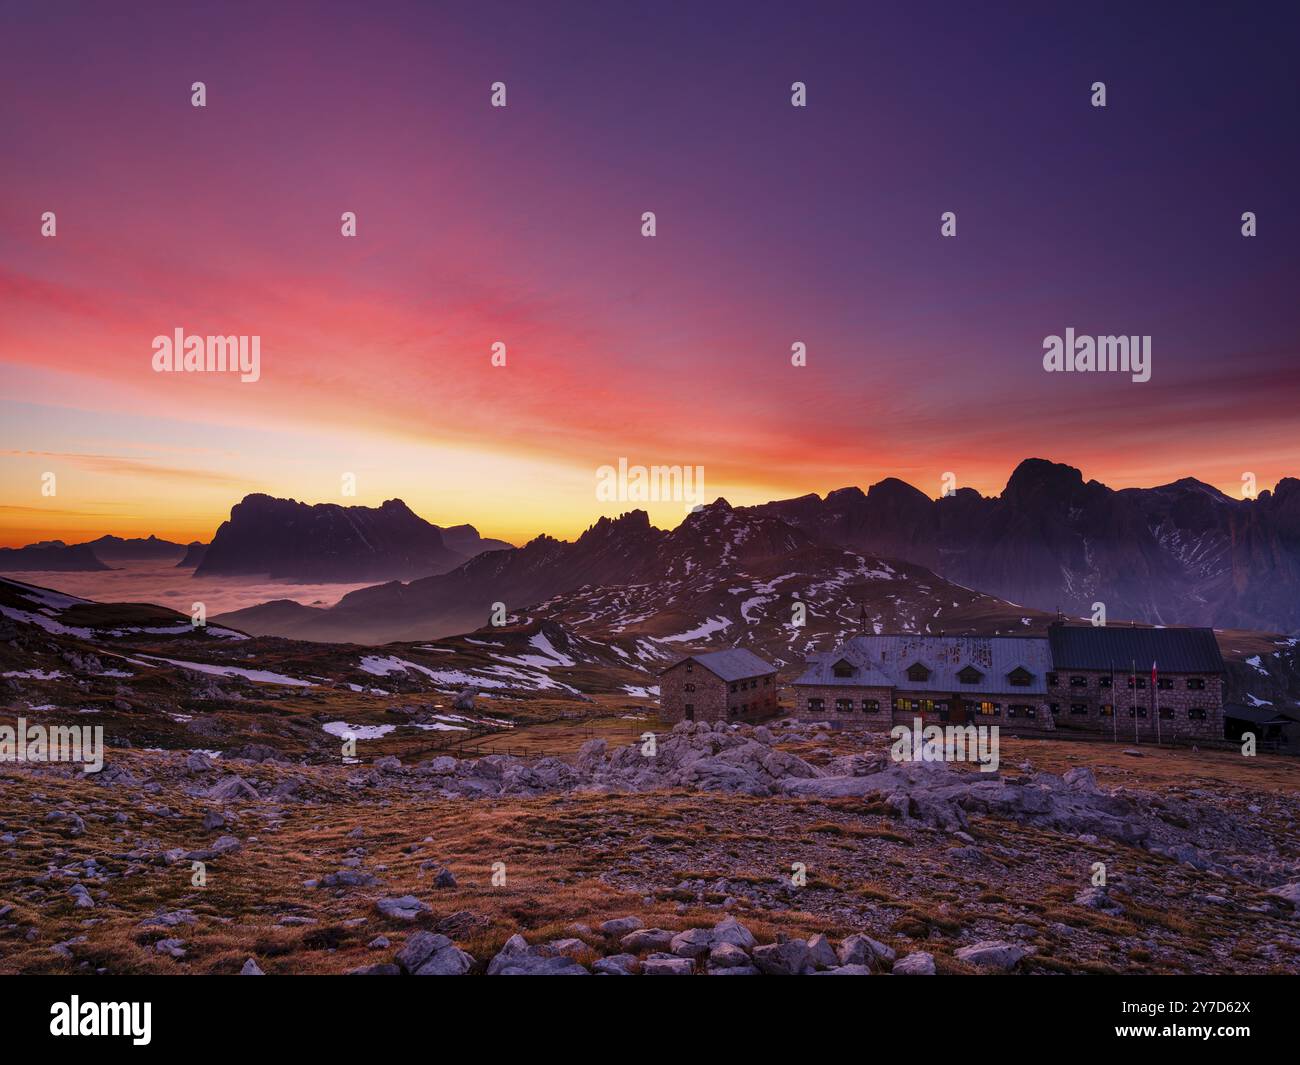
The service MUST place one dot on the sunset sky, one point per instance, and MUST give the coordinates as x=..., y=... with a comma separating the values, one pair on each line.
x=775, y=224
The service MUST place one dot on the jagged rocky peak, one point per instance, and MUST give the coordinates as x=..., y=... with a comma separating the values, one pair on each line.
x=626, y=522
x=842, y=496
x=396, y=506
x=1038, y=481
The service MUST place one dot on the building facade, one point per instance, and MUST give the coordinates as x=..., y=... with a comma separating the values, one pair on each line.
x=883, y=680
x=734, y=685
x=1131, y=683
x=1137, y=683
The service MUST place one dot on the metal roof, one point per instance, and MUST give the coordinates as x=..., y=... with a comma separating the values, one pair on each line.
x=1121, y=648
x=735, y=664
x=883, y=661
x=1256, y=715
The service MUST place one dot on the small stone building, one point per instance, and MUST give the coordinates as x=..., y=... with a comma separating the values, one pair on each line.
x=731, y=685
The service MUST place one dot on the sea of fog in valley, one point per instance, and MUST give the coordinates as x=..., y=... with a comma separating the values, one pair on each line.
x=162, y=583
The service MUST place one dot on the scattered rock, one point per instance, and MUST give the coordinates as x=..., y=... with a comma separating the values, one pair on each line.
x=790, y=958
x=992, y=954
x=918, y=964
x=402, y=908
x=667, y=965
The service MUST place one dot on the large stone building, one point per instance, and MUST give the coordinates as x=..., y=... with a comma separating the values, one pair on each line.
x=877, y=680
x=732, y=685
x=1085, y=678
x=1102, y=681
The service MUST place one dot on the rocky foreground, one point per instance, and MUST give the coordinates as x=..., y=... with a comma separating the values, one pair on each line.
x=714, y=850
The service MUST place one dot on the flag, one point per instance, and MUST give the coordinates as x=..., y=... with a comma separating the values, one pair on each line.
x=1153, y=674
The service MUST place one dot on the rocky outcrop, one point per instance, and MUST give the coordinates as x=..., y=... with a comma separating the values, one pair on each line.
x=288, y=540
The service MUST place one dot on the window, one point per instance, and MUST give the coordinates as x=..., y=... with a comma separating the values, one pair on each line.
x=690, y=666
x=1013, y=710
x=1165, y=684
x=1055, y=708
x=970, y=675
x=1196, y=684
x=767, y=681
x=927, y=706
x=1137, y=711
x=1053, y=681
x=1196, y=713
x=1020, y=677
x=917, y=672
x=989, y=709
x=1166, y=713
x=816, y=704
x=1022, y=710
x=1078, y=682
x=844, y=706
x=1141, y=682
x=843, y=668
x=902, y=704
x=733, y=689
x=690, y=687
x=871, y=706
x=1107, y=709
x=1104, y=682
x=1078, y=709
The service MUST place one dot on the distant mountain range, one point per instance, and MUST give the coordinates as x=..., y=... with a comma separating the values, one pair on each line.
x=116, y=549
x=287, y=540
x=50, y=555
x=1180, y=554
x=90, y=556
x=717, y=576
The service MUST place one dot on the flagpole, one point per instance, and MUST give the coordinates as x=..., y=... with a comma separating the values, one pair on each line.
x=1133, y=702
x=1154, y=709
x=1114, y=707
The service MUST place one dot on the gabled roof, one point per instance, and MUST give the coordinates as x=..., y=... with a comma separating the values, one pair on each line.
x=821, y=671
x=885, y=660
x=734, y=664
x=1121, y=647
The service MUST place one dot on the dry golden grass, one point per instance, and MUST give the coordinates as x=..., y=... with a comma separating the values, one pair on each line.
x=575, y=858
